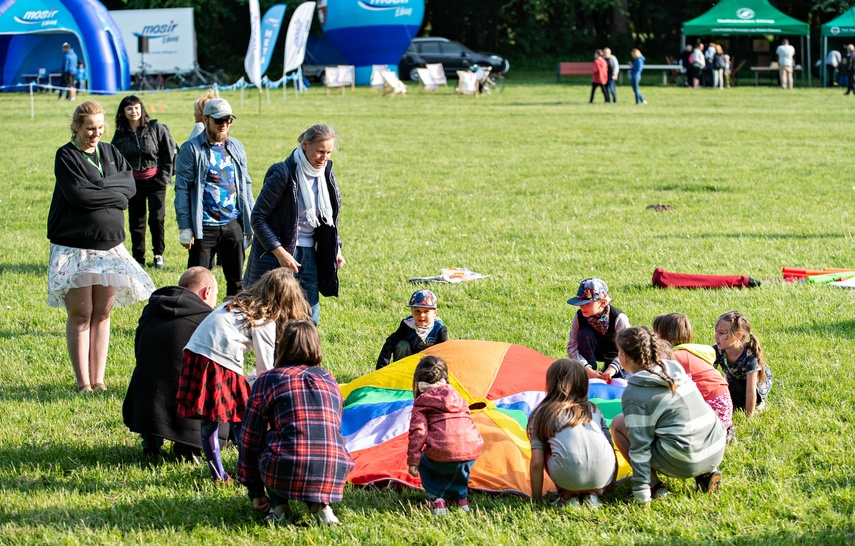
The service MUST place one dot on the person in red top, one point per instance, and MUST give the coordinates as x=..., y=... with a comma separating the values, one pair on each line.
x=442, y=425
x=697, y=360
x=601, y=75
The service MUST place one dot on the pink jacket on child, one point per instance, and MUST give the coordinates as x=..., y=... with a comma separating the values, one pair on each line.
x=442, y=424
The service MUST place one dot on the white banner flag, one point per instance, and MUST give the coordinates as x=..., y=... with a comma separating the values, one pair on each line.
x=298, y=35
x=252, y=63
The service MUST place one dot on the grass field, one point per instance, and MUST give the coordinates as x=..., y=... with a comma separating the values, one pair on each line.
x=534, y=187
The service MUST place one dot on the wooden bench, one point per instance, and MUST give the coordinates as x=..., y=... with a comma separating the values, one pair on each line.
x=574, y=69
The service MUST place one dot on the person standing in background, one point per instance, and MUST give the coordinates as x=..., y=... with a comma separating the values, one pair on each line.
x=69, y=71
x=785, y=53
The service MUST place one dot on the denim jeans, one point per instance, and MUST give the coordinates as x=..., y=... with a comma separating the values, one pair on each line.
x=448, y=481
x=635, y=79
x=611, y=94
x=308, y=277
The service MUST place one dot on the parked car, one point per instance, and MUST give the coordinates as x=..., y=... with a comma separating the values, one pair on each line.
x=453, y=55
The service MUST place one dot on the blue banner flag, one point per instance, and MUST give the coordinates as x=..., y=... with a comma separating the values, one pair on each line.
x=270, y=25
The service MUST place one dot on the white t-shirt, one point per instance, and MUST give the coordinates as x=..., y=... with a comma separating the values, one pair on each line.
x=785, y=55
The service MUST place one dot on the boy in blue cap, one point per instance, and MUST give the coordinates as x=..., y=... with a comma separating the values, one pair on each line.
x=595, y=325
x=417, y=332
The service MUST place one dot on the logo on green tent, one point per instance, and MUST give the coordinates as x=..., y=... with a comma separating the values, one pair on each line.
x=835, y=30
x=745, y=13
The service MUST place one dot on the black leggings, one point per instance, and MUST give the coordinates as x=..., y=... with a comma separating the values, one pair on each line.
x=602, y=87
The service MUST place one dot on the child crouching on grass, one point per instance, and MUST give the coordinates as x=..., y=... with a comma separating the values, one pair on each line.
x=697, y=360
x=415, y=333
x=442, y=425
x=570, y=439
x=666, y=427
x=291, y=444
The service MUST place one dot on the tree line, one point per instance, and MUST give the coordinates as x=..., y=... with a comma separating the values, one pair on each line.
x=531, y=33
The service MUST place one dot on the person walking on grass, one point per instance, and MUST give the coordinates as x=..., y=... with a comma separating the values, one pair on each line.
x=600, y=78
x=666, y=427
x=635, y=75
x=614, y=71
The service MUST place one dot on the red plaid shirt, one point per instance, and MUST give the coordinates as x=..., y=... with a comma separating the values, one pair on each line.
x=291, y=438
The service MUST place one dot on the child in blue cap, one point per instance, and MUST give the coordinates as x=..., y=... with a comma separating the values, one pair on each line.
x=595, y=326
x=415, y=333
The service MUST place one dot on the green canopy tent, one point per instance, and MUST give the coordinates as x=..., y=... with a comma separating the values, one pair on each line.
x=747, y=17
x=840, y=27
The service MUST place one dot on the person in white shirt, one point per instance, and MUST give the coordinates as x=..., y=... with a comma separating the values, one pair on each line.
x=785, y=53
x=832, y=61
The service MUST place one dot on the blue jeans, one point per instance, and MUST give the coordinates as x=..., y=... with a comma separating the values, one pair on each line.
x=448, y=481
x=611, y=96
x=308, y=277
x=635, y=79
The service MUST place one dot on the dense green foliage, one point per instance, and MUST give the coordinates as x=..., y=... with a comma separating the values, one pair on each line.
x=532, y=33
x=534, y=187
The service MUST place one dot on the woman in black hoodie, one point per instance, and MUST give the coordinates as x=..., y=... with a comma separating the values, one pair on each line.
x=89, y=267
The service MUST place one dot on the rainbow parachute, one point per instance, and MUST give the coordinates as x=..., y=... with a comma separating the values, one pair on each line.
x=502, y=383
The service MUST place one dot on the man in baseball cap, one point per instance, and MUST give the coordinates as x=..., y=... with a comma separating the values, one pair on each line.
x=213, y=196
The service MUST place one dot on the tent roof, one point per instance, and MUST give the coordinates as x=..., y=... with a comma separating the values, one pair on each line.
x=744, y=17
x=842, y=25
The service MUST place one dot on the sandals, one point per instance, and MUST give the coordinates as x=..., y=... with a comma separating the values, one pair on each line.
x=99, y=387
x=86, y=388
x=709, y=482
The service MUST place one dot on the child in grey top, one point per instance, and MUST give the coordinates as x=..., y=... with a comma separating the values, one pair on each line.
x=666, y=426
x=569, y=438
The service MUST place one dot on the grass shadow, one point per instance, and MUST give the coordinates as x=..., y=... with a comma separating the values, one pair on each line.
x=24, y=269
x=842, y=328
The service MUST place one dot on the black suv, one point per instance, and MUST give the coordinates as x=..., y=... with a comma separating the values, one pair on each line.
x=453, y=55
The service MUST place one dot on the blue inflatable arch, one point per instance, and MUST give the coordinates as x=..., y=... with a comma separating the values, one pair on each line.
x=32, y=33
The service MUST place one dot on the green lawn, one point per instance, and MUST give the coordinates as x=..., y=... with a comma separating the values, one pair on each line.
x=534, y=187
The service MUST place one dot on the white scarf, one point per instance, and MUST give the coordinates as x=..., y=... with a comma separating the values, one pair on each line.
x=304, y=171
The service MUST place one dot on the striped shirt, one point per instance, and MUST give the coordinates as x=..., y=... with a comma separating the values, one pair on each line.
x=677, y=434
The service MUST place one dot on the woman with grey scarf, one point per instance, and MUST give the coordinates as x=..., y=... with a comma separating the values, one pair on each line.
x=295, y=219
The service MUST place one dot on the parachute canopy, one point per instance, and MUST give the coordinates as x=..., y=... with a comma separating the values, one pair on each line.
x=501, y=382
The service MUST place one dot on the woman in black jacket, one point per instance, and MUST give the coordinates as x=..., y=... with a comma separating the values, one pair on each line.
x=150, y=149
x=295, y=219
x=89, y=267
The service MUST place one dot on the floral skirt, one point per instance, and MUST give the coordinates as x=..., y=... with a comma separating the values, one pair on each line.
x=206, y=389
x=70, y=267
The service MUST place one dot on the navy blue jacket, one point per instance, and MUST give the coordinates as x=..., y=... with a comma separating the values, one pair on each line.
x=274, y=221
x=405, y=332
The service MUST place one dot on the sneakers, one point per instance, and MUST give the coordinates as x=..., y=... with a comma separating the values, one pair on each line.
x=437, y=506
x=324, y=515
x=731, y=435
x=560, y=502
x=279, y=515
x=658, y=491
x=593, y=501
x=158, y=262
x=761, y=407
x=709, y=482
x=463, y=504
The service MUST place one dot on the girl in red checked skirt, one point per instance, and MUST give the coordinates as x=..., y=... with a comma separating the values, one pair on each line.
x=291, y=444
x=212, y=386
